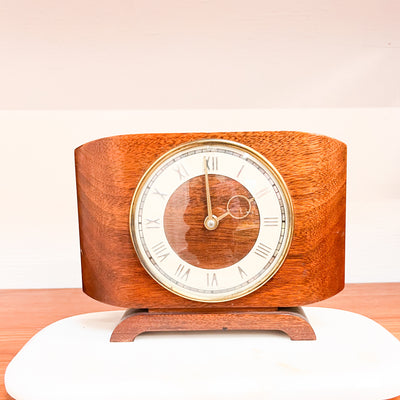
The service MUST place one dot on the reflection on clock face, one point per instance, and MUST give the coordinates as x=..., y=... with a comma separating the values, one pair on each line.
x=211, y=220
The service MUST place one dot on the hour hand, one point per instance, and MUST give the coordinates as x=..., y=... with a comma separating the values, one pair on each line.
x=232, y=213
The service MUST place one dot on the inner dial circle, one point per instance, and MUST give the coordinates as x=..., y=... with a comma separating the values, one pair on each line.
x=225, y=245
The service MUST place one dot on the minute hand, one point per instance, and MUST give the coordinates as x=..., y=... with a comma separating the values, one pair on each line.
x=209, y=208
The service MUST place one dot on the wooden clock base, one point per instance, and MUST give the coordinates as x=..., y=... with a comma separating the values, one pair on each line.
x=291, y=320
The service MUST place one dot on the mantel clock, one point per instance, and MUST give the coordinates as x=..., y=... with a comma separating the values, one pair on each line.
x=209, y=231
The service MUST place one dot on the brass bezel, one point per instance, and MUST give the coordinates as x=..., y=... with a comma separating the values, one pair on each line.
x=270, y=168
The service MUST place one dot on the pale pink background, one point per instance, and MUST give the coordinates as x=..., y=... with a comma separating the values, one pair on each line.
x=150, y=54
x=329, y=67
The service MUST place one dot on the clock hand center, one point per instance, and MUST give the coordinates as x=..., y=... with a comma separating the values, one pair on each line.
x=211, y=223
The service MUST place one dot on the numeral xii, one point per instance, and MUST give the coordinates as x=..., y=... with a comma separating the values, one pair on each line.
x=212, y=163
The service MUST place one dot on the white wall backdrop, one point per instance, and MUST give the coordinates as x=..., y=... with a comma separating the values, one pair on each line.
x=329, y=67
x=38, y=217
x=146, y=54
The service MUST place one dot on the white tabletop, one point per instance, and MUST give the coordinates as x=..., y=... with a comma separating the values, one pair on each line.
x=352, y=358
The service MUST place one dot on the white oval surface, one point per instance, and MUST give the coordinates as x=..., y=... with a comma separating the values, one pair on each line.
x=353, y=357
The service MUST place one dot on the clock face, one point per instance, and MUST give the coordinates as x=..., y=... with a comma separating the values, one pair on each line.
x=211, y=220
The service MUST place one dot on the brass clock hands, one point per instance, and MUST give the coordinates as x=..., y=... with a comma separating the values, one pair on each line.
x=211, y=221
x=232, y=214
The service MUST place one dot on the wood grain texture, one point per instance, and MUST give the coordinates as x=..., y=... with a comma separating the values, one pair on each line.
x=291, y=321
x=313, y=167
x=24, y=312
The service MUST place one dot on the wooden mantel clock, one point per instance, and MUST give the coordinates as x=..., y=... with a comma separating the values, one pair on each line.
x=212, y=231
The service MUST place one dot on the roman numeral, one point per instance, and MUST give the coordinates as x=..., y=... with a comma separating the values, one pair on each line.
x=180, y=169
x=160, y=249
x=157, y=192
x=263, y=250
x=242, y=273
x=262, y=192
x=270, y=221
x=212, y=281
x=152, y=223
x=182, y=273
x=212, y=163
x=240, y=171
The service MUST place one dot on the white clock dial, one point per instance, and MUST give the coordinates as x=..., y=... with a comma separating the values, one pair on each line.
x=211, y=220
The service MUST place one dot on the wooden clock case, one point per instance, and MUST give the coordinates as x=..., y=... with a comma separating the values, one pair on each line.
x=314, y=169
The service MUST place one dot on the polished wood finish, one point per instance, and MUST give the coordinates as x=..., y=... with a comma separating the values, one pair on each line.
x=313, y=167
x=291, y=321
x=24, y=312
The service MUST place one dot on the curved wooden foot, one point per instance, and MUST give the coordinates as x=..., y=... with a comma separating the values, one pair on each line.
x=292, y=321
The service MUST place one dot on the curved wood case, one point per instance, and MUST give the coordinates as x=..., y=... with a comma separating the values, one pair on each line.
x=313, y=167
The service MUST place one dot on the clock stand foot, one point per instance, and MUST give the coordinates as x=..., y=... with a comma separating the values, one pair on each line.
x=290, y=320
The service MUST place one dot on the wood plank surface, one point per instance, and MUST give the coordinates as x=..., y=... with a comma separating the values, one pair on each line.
x=25, y=312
